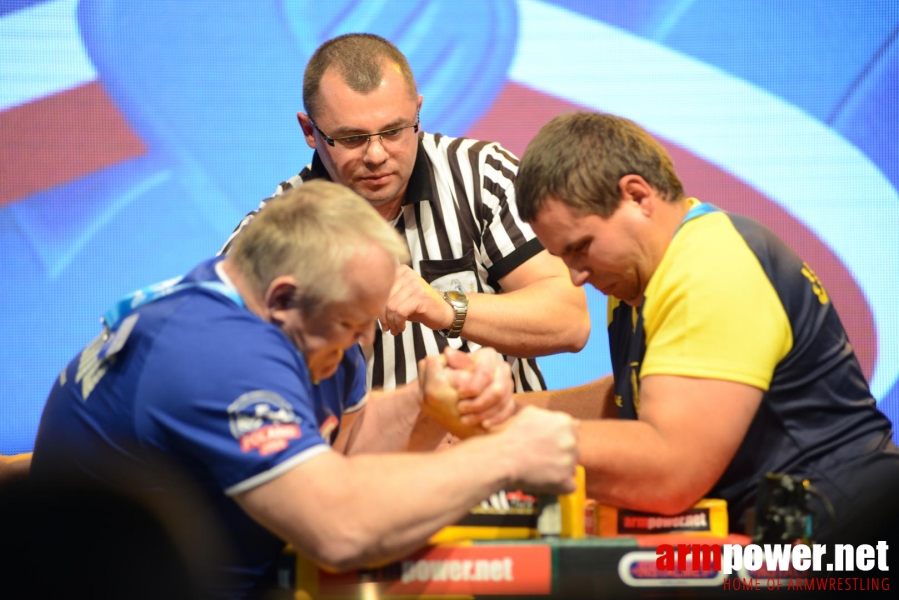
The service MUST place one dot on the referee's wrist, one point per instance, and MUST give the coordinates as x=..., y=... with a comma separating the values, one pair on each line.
x=449, y=314
x=458, y=303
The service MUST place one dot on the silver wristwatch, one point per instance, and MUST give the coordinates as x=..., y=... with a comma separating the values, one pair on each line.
x=459, y=302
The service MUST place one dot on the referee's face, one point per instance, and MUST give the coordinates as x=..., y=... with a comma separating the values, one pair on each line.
x=377, y=169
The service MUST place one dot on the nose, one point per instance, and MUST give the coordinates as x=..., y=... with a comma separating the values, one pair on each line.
x=375, y=152
x=578, y=276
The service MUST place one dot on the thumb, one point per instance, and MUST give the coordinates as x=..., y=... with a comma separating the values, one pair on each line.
x=458, y=359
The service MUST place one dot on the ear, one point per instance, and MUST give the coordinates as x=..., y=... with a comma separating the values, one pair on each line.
x=308, y=129
x=418, y=104
x=634, y=188
x=279, y=297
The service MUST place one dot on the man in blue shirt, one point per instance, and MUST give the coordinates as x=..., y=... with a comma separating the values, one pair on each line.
x=240, y=374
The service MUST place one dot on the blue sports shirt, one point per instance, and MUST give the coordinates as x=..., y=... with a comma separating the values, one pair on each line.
x=205, y=386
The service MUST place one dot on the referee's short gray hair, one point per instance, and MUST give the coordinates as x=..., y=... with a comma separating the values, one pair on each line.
x=311, y=232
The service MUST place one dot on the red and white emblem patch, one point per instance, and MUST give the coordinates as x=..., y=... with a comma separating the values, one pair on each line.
x=264, y=421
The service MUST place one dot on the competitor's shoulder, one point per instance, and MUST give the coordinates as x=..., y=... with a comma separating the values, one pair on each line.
x=204, y=336
x=209, y=306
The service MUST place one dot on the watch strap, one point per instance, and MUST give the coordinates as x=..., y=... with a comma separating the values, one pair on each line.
x=459, y=303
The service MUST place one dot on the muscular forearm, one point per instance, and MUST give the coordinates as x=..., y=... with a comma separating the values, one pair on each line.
x=546, y=317
x=375, y=511
x=385, y=424
x=347, y=512
x=392, y=421
x=399, y=523
x=688, y=432
x=629, y=464
x=594, y=400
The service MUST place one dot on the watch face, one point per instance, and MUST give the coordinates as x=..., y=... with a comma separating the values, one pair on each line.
x=457, y=296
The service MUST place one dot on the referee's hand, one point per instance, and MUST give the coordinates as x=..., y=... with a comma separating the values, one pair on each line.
x=413, y=299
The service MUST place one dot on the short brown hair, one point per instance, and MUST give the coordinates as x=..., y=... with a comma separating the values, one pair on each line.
x=310, y=233
x=579, y=158
x=360, y=58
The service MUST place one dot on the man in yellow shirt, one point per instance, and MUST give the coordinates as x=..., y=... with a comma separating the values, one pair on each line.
x=729, y=360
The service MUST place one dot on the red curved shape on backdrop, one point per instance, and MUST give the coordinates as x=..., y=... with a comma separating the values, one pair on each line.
x=519, y=112
x=60, y=138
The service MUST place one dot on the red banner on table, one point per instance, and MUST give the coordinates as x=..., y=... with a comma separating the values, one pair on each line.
x=470, y=570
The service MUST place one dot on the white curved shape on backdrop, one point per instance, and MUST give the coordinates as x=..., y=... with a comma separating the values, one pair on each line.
x=41, y=52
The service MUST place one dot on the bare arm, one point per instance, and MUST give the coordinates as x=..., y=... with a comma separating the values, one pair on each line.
x=594, y=400
x=688, y=431
x=539, y=312
x=14, y=466
x=383, y=424
x=347, y=512
x=391, y=421
x=478, y=385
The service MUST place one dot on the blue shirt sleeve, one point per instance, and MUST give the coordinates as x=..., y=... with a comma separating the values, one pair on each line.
x=231, y=395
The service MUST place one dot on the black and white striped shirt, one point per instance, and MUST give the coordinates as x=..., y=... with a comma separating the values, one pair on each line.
x=461, y=224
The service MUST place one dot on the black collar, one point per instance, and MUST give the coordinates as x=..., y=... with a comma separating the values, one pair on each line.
x=419, y=188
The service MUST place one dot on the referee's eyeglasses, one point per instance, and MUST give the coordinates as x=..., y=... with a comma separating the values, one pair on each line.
x=359, y=140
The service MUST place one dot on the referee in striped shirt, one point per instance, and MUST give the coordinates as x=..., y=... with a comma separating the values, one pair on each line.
x=478, y=276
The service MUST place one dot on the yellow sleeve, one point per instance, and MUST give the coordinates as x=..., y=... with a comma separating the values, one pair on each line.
x=711, y=311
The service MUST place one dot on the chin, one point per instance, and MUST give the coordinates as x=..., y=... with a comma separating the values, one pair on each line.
x=326, y=369
x=635, y=302
x=377, y=197
x=324, y=372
